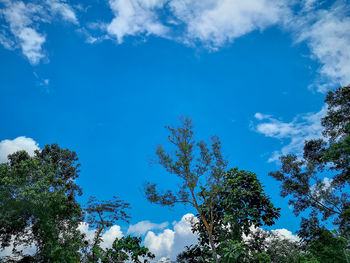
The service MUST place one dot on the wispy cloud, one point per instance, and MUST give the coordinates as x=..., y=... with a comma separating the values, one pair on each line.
x=21, y=27
x=291, y=134
x=326, y=32
x=135, y=17
x=211, y=24
x=217, y=23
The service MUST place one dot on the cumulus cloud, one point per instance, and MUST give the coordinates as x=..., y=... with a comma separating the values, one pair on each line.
x=135, y=17
x=285, y=234
x=8, y=251
x=142, y=227
x=21, y=24
x=292, y=134
x=170, y=243
x=108, y=236
x=165, y=244
x=20, y=143
x=162, y=243
x=280, y=234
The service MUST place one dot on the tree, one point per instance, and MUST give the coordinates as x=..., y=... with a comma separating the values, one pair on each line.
x=240, y=205
x=38, y=204
x=327, y=247
x=102, y=215
x=269, y=246
x=194, y=254
x=304, y=179
x=191, y=162
x=127, y=248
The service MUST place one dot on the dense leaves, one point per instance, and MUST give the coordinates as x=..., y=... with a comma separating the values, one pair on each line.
x=241, y=204
x=38, y=205
x=124, y=249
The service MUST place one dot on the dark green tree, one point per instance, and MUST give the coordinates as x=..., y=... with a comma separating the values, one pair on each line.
x=303, y=179
x=241, y=203
x=327, y=247
x=125, y=249
x=194, y=254
x=197, y=165
x=38, y=204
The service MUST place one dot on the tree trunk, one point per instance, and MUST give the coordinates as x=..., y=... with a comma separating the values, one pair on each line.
x=213, y=248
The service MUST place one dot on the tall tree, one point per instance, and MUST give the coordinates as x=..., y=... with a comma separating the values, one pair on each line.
x=241, y=204
x=304, y=179
x=38, y=204
x=197, y=165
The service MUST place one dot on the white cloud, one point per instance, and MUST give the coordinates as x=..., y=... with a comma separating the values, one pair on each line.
x=303, y=127
x=160, y=244
x=22, y=22
x=167, y=244
x=27, y=250
x=135, y=17
x=20, y=143
x=19, y=18
x=277, y=233
x=285, y=234
x=31, y=42
x=170, y=243
x=84, y=228
x=142, y=227
x=61, y=8
x=261, y=116
x=108, y=236
x=326, y=32
x=217, y=22
x=211, y=22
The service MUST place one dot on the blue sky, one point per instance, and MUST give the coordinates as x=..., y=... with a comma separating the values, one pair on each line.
x=103, y=78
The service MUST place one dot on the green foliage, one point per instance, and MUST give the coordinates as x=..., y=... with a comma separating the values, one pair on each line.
x=262, y=258
x=124, y=249
x=194, y=254
x=306, y=258
x=38, y=204
x=241, y=203
x=197, y=165
x=233, y=251
x=301, y=178
x=327, y=247
x=278, y=249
